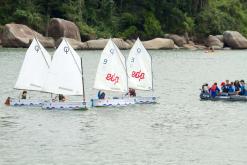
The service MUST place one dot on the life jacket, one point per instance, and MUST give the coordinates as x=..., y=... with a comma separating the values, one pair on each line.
x=213, y=88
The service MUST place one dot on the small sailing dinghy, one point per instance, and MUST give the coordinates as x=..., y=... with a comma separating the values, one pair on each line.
x=111, y=76
x=65, y=77
x=140, y=74
x=32, y=74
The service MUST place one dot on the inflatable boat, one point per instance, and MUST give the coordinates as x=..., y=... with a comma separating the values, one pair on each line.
x=207, y=96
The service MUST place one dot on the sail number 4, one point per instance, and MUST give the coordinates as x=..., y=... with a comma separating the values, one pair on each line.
x=139, y=75
x=112, y=77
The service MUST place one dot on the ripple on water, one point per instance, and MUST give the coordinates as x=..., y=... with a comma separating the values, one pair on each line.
x=181, y=129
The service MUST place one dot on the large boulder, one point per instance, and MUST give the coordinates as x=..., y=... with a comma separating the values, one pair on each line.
x=220, y=37
x=214, y=42
x=235, y=40
x=74, y=43
x=159, y=43
x=178, y=40
x=18, y=35
x=101, y=43
x=62, y=28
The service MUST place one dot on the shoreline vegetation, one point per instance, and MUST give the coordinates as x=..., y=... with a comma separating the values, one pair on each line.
x=161, y=24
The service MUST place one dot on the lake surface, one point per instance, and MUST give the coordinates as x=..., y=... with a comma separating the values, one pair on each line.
x=181, y=129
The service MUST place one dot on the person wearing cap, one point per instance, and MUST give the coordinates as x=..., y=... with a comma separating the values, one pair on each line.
x=224, y=88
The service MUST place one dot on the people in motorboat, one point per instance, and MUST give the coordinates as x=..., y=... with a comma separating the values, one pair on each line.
x=242, y=88
x=24, y=95
x=132, y=92
x=214, y=90
x=61, y=98
x=205, y=88
x=231, y=89
x=101, y=95
x=237, y=86
x=224, y=88
x=234, y=88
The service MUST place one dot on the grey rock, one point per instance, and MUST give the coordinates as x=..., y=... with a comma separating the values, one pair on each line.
x=62, y=28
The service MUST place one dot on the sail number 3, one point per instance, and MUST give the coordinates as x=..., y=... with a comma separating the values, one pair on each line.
x=139, y=75
x=112, y=77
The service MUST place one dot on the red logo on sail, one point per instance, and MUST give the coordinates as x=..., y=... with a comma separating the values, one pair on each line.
x=139, y=75
x=112, y=77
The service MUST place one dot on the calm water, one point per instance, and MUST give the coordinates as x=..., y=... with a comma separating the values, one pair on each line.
x=181, y=129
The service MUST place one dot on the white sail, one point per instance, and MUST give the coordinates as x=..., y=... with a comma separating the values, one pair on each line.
x=65, y=74
x=34, y=68
x=139, y=68
x=111, y=73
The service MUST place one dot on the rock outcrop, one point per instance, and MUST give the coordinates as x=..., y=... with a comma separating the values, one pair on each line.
x=101, y=43
x=214, y=42
x=220, y=37
x=62, y=28
x=178, y=40
x=159, y=43
x=235, y=40
x=18, y=35
x=74, y=43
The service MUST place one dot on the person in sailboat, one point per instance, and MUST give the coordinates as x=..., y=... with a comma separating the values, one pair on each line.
x=61, y=98
x=101, y=95
x=131, y=93
x=24, y=95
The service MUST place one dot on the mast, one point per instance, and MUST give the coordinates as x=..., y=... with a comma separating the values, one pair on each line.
x=83, y=89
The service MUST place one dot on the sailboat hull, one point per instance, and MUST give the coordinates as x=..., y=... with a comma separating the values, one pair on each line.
x=26, y=102
x=124, y=101
x=72, y=105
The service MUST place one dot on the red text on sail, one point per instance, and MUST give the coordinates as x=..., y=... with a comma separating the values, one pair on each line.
x=138, y=74
x=112, y=77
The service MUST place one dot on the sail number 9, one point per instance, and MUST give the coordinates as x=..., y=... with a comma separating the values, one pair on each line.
x=105, y=61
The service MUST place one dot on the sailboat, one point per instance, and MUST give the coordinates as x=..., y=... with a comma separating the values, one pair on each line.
x=111, y=75
x=32, y=74
x=114, y=73
x=65, y=77
x=140, y=74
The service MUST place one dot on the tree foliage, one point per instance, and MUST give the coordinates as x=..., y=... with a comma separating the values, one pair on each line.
x=131, y=18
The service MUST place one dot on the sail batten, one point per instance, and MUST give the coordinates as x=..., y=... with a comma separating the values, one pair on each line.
x=34, y=68
x=139, y=68
x=65, y=76
x=111, y=72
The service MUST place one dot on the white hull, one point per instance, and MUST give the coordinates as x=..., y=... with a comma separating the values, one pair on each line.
x=26, y=102
x=72, y=105
x=122, y=101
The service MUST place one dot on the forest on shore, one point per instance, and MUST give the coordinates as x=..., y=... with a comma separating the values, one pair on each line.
x=131, y=18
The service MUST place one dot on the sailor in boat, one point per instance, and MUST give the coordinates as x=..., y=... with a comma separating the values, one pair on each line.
x=237, y=86
x=214, y=90
x=131, y=93
x=224, y=89
x=61, y=98
x=101, y=95
x=227, y=89
x=24, y=95
x=242, y=88
x=231, y=90
x=205, y=88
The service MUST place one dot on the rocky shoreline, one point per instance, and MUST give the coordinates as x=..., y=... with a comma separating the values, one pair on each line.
x=18, y=35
